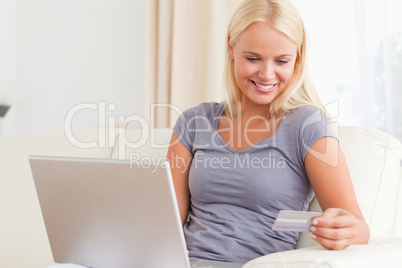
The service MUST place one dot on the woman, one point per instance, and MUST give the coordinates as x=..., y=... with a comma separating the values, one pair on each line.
x=268, y=148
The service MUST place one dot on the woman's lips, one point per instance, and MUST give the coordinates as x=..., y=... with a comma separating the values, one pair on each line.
x=264, y=88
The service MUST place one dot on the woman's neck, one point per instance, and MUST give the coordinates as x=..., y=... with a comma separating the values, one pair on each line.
x=247, y=109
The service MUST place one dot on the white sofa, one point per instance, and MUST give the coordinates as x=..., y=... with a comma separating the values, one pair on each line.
x=374, y=159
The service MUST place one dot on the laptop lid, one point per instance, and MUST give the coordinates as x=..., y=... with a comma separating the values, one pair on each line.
x=108, y=213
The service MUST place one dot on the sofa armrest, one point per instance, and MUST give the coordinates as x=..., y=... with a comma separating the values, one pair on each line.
x=66, y=265
x=378, y=253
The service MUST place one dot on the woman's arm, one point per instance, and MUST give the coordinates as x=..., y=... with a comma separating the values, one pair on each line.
x=342, y=222
x=180, y=158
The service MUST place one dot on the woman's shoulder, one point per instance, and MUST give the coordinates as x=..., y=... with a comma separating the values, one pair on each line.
x=303, y=110
x=305, y=113
x=304, y=116
x=209, y=110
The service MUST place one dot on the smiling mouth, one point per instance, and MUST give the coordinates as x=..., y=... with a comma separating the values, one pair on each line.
x=264, y=88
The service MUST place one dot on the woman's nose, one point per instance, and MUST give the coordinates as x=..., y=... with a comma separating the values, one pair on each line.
x=266, y=72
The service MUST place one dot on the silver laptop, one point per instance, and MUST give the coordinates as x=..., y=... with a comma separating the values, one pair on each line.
x=105, y=213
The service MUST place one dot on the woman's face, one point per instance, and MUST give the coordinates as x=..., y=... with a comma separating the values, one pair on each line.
x=264, y=61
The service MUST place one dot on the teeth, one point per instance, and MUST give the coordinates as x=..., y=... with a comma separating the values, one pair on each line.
x=264, y=87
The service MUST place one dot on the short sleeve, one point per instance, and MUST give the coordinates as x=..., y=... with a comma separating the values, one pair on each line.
x=194, y=124
x=313, y=126
x=181, y=129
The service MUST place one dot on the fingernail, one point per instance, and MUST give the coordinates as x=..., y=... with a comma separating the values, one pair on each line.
x=312, y=228
x=315, y=222
x=313, y=236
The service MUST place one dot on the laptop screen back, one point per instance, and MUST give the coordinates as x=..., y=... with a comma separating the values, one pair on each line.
x=109, y=213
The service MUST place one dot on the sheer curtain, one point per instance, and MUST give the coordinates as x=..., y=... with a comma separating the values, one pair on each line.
x=357, y=60
x=185, y=48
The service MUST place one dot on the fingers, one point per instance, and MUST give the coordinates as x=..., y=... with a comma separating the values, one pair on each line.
x=335, y=218
x=333, y=238
x=334, y=229
x=330, y=243
x=332, y=233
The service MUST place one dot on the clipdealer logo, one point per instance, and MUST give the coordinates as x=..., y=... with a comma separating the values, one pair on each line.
x=111, y=133
x=111, y=128
x=241, y=161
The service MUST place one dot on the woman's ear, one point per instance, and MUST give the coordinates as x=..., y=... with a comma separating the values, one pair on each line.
x=230, y=49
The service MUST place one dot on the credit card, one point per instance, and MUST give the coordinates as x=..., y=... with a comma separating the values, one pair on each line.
x=296, y=221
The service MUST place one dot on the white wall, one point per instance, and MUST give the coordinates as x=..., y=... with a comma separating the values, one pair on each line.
x=60, y=53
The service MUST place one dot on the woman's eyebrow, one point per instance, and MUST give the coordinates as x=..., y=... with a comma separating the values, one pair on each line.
x=285, y=55
x=252, y=53
x=279, y=56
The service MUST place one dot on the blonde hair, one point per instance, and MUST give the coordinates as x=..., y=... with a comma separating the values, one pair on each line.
x=283, y=16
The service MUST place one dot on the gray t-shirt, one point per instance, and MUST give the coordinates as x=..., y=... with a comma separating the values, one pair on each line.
x=236, y=195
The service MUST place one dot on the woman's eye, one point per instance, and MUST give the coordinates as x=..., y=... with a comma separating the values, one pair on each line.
x=281, y=62
x=252, y=59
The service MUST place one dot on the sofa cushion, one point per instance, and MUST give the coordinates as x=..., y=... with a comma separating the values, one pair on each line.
x=379, y=253
x=373, y=157
x=397, y=232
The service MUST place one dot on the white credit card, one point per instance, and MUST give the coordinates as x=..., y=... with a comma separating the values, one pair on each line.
x=296, y=221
